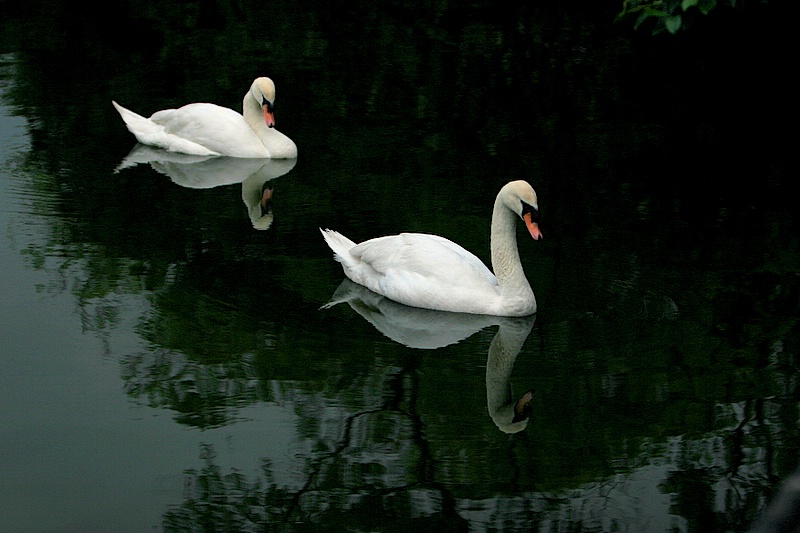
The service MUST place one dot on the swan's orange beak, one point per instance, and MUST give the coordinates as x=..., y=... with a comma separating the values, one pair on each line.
x=266, y=201
x=269, y=115
x=533, y=227
x=522, y=409
x=266, y=197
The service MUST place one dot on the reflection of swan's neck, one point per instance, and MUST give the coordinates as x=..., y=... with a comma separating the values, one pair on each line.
x=505, y=256
x=256, y=195
x=503, y=351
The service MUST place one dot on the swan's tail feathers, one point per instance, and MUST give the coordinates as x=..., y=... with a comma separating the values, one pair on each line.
x=137, y=124
x=338, y=243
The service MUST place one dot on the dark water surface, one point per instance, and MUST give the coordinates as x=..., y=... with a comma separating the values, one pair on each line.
x=165, y=362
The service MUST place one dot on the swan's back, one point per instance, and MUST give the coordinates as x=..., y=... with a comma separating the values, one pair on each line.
x=426, y=255
x=193, y=118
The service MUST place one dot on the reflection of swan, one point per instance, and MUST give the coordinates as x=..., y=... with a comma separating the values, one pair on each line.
x=411, y=326
x=208, y=129
x=783, y=512
x=428, y=329
x=205, y=172
x=509, y=416
x=432, y=272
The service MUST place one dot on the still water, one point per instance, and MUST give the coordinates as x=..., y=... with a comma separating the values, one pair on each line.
x=176, y=357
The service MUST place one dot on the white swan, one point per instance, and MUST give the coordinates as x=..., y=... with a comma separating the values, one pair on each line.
x=432, y=272
x=208, y=129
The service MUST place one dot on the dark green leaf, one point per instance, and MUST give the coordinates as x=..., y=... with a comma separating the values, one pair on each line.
x=673, y=23
x=705, y=6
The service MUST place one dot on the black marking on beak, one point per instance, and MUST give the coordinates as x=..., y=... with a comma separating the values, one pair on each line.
x=534, y=211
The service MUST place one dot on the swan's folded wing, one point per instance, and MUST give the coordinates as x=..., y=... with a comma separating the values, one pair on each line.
x=429, y=256
x=197, y=121
x=217, y=129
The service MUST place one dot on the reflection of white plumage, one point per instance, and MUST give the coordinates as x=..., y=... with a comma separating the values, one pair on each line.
x=432, y=272
x=423, y=329
x=428, y=329
x=205, y=172
x=208, y=129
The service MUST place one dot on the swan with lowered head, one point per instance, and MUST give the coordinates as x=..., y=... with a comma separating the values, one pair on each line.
x=208, y=129
x=432, y=272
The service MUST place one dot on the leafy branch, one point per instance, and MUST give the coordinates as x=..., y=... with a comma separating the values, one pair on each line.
x=670, y=15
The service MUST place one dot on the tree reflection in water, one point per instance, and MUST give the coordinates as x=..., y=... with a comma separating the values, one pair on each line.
x=386, y=468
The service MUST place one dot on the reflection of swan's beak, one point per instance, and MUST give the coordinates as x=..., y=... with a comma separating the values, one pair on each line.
x=533, y=227
x=266, y=201
x=269, y=114
x=522, y=409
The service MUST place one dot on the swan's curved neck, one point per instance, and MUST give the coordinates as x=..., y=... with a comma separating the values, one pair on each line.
x=254, y=115
x=505, y=256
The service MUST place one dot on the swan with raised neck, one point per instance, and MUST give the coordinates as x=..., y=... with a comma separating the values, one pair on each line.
x=432, y=272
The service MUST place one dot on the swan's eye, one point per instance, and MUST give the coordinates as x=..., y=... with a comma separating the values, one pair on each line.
x=527, y=208
x=265, y=102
